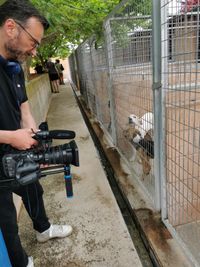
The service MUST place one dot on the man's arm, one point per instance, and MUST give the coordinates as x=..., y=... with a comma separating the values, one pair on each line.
x=27, y=120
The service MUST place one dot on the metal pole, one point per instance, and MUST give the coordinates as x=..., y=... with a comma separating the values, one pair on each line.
x=164, y=53
x=156, y=54
x=94, y=80
x=109, y=54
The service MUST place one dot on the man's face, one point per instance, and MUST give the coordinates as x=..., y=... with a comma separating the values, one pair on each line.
x=25, y=40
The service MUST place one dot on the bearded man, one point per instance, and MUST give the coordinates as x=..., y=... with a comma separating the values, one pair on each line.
x=21, y=31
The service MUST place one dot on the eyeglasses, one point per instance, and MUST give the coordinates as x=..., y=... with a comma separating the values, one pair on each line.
x=36, y=43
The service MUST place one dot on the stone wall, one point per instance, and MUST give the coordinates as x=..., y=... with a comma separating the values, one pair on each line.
x=39, y=95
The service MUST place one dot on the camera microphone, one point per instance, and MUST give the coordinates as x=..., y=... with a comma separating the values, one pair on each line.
x=62, y=134
x=55, y=134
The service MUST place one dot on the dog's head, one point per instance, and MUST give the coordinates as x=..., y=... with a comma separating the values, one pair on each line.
x=132, y=133
x=149, y=136
x=133, y=119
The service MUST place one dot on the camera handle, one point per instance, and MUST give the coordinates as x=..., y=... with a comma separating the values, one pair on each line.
x=67, y=176
x=68, y=181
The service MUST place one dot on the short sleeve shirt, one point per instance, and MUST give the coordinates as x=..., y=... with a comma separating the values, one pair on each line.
x=12, y=95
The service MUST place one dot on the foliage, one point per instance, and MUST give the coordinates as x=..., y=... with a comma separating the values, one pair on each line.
x=2, y=1
x=71, y=22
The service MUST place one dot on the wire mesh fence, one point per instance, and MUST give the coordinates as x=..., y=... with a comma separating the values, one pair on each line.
x=181, y=84
x=122, y=58
x=116, y=77
x=129, y=39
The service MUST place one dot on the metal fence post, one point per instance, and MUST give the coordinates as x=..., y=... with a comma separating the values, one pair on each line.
x=109, y=54
x=156, y=55
x=164, y=55
x=77, y=70
x=93, y=74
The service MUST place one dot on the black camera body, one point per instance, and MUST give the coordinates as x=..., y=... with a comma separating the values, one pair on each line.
x=26, y=166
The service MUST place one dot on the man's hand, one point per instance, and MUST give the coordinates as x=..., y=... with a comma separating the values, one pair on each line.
x=22, y=139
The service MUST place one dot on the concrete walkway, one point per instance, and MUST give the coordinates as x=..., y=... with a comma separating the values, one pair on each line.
x=100, y=237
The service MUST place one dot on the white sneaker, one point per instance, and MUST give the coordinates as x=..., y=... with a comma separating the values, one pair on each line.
x=30, y=262
x=54, y=231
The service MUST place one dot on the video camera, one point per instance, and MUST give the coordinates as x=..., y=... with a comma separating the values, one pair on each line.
x=26, y=166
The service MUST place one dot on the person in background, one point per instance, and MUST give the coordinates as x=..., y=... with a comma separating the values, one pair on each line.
x=60, y=69
x=38, y=69
x=21, y=31
x=53, y=76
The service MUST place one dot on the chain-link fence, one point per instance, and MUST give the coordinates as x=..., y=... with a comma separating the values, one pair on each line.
x=151, y=113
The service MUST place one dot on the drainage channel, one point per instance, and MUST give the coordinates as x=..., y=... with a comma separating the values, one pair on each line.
x=146, y=256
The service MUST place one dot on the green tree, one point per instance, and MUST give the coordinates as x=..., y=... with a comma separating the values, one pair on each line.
x=71, y=22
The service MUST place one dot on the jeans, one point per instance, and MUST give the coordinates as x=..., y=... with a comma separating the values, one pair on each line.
x=33, y=201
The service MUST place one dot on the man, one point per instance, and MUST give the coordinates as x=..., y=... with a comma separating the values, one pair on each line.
x=21, y=30
x=53, y=76
x=60, y=69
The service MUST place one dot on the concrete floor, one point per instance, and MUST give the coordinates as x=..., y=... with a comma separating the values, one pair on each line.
x=100, y=237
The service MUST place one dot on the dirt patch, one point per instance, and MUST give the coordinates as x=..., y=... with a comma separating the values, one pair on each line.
x=84, y=138
x=154, y=228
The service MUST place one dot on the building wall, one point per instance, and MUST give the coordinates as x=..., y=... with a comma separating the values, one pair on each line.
x=66, y=72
